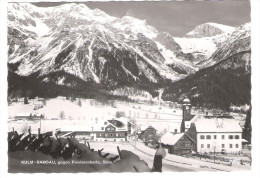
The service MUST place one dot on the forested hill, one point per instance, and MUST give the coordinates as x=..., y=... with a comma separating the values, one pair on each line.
x=225, y=83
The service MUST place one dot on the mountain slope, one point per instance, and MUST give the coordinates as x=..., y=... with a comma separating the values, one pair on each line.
x=209, y=30
x=90, y=45
x=238, y=41
x=226, y=82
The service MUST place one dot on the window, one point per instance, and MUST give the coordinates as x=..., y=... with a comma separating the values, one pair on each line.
x=102, y=128
x=223, y=145
x=236, y=136
x=105, y=123
x=208, y=137
x=230, y=137
x=117, y=134
x=186, y=151
x=112, y=128
x=106, y=135
x=223, y=136
x=208, y=145
x=108, y=128
x=202, y=146
x=202, y=137
x=187, y=144
x=230, y=145
x=111, y=135
x=237, y=146
x=215, y=136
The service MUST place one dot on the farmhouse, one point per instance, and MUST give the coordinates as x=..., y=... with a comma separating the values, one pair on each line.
x=33, y=116
x=22, y=116
x=147, y=133
x=179, y=144
x=118, y=129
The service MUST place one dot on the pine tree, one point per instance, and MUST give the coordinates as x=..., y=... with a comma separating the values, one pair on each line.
x=26, y=100
x=247, y=131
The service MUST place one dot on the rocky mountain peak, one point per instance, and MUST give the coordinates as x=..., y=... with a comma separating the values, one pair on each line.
x=209, y=30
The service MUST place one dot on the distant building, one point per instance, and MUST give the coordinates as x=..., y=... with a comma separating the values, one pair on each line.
x=22, y=116
x=33, y=116
x=36, y=116
x=179, y=144
x=147, y=133
x=118, y=129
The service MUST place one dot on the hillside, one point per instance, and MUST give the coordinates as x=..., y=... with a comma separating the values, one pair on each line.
x=217, y=86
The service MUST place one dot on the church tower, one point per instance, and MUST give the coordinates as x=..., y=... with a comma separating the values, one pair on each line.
x=186, y=113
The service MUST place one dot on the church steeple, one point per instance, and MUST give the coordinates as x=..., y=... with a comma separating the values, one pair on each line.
x=186, y=113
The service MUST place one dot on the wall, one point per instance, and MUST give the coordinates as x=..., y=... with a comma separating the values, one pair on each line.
x=218, y=142
x=149, y=133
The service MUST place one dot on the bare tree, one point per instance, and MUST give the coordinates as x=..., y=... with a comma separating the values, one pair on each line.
x=120, y=114
x=79, y=103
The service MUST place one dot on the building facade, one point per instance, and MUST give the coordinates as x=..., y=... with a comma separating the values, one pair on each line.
x=114, y=130
x=147, y=133
x=211, y=133
x=179, y=144
x=214, y=135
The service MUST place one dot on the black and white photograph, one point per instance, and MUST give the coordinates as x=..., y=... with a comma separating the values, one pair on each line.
x=128, y=86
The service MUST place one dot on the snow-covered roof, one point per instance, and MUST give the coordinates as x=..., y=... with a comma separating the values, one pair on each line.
x=23, y=115
x=97, y=127
x=171, y=139
x=144, y=127
x=76, y=129
x=186, y=100
x=217, y=125
x=36, y=114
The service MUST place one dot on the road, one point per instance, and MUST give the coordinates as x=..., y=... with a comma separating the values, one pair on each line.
x=168, y=166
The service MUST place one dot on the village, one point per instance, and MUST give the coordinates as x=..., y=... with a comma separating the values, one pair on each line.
x=194, y=140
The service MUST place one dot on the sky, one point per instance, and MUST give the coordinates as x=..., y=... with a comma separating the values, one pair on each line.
x=176, y=17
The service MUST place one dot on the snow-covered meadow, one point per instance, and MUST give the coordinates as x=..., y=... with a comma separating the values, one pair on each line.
x=91, y=112
x=59, y=112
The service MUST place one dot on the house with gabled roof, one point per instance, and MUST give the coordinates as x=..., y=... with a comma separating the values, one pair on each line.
x=147, y=133
x=216, y=135
x=115, y=129
x=179, y=144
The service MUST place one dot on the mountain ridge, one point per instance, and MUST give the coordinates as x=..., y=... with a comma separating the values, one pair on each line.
x=74, y=41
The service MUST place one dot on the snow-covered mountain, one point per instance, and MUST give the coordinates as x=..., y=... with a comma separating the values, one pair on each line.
x=209, y=30
x=71, y=42
x=238, y=41
x=204, y=40
x=225, y=78
x=89, y=44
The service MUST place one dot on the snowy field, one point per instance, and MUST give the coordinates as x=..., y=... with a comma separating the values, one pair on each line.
x=91, y=111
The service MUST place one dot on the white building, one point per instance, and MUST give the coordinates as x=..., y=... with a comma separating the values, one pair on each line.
x=114, y=129
x=217, y=134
